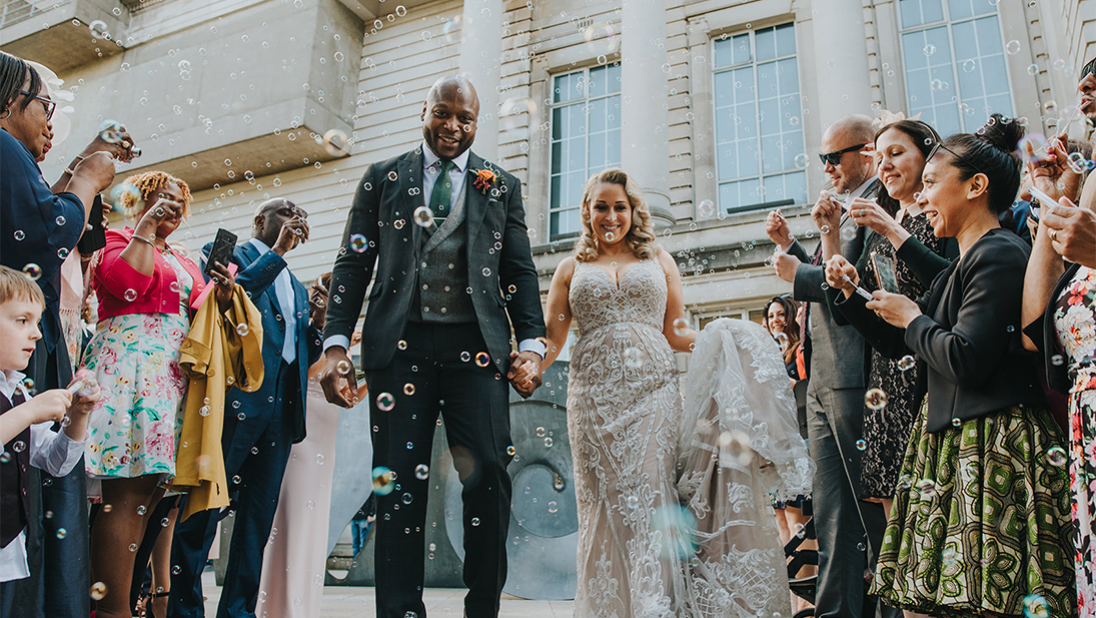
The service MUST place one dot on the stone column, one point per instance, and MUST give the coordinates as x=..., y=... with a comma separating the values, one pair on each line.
x=480, y=61
x=840, y=62
x=645, y=149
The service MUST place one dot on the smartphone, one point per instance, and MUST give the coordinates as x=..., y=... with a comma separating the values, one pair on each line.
x=884, y=273
x=221, y=251
x=96, y=237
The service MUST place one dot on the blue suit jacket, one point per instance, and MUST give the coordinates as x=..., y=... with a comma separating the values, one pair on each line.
x=256, y=275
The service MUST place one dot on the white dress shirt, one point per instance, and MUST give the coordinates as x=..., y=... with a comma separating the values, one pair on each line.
x=431, y=170
x=859, y=191
x=51, y=451
x=283, y=289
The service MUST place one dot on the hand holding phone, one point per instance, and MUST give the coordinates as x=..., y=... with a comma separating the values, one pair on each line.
x=221, y=251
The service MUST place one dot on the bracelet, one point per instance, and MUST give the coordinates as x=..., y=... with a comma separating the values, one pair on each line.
x=69, y=170
x=143, y=239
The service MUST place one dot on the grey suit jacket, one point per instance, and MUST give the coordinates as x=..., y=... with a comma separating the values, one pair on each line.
x=839, y=355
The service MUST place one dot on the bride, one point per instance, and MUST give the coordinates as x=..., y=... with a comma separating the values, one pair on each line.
x=673, y=495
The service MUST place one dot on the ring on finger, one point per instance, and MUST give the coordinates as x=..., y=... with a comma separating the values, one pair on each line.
x=1053, y=233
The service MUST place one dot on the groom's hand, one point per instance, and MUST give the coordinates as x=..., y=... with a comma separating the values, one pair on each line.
x=337, y=379
x=524, y=372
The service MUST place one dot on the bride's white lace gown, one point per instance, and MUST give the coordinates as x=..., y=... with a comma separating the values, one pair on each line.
x=623, y=405
x=673, y=511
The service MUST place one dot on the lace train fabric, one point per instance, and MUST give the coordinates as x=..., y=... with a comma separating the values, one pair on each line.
x=673, y=499
x=738, y=446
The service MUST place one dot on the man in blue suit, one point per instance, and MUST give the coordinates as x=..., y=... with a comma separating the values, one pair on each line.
x=259, y=427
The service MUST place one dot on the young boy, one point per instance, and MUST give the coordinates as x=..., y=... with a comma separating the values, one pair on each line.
x=25, y=422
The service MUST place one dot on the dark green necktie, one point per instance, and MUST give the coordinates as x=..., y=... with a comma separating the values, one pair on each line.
x=442, y=195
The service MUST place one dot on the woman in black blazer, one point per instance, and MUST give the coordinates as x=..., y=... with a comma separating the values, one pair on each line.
x=980, y=524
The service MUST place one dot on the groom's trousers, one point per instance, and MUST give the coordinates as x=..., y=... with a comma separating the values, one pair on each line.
x=443, y=369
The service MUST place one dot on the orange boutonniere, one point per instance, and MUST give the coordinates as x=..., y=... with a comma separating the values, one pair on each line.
x=485, y=179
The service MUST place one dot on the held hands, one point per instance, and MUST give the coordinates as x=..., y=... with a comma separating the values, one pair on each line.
x=524, y=372
x=776, y=228
x=842, y=275
x=827, y=213
x=340, y=385
x=293, y=232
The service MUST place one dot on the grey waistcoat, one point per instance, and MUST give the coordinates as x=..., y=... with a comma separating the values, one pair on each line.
x=441, y=295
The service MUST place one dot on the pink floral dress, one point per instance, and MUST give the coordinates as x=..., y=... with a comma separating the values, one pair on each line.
x=1075, y=319
x=135, y=358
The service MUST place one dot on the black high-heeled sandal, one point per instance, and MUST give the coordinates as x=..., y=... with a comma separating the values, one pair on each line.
x=148, y=604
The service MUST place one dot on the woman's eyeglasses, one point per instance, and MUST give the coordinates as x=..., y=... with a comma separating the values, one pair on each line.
x=51, y=105
x=834, y=158
x=940, y=145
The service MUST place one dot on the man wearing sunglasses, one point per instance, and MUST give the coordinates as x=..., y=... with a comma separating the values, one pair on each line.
x=835, y=356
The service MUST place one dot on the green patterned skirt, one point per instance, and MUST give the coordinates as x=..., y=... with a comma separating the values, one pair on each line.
x=981, y=521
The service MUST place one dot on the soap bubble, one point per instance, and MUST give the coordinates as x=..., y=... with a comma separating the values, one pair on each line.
x=423, y=216
x=552, y=507
x=111, y=131
x=802, y=160
x=969, y=66
x=422, y=472
x=385, y=401
x=927, y=488
x=906, y=363
x=601, y=39
x=1035, y=606
x=861, y=444
x=130, y=295
x=384, y=481
x=32, y=271
x=242, y=330
x=632, y=502
x=681, y=327
x=98, y=591
x=453, y=31
x=335, y=143
x=875, y=399
x=409, y=389
x=706, y=208
x=343, y=367
x=1012, y=47
x=358, y=242
x=98, y=29
x=483, y=359
x=1056, y=455
x=929, y=49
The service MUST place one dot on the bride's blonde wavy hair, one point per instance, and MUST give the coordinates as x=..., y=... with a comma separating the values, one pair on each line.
x=641, y=235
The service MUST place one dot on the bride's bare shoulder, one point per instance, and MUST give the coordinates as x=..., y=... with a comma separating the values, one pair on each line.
x=565, y=269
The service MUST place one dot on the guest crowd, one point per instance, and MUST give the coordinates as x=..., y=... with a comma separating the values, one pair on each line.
x=941, y=338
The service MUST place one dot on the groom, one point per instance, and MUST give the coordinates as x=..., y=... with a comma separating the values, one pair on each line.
x=446, y=233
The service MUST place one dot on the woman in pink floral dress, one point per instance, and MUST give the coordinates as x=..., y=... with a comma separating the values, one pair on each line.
x=146, y=290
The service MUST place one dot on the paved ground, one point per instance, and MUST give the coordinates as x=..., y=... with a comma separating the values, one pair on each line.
x=358, y=602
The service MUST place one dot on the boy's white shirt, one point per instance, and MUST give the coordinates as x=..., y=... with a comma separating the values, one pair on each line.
x=51, y=451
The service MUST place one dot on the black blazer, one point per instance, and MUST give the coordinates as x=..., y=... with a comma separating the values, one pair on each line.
x=1047, y=340
x=968, y=340
x=499, y=259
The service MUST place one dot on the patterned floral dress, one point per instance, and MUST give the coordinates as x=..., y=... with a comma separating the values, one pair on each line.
x=135, y=358
x=1075, y=319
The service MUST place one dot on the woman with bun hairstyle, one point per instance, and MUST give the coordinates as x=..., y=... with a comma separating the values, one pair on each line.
x=981, y=519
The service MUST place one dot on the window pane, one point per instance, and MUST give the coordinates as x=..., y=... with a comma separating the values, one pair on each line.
x=569, y=87
x=962, y=9
x=929, y=78
x=565, y=222
x=785, y=40
x=604, y=79
x=765, y=43
x=917, y=12
x=786, y=186
x=732, y=51
x=758, y=124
